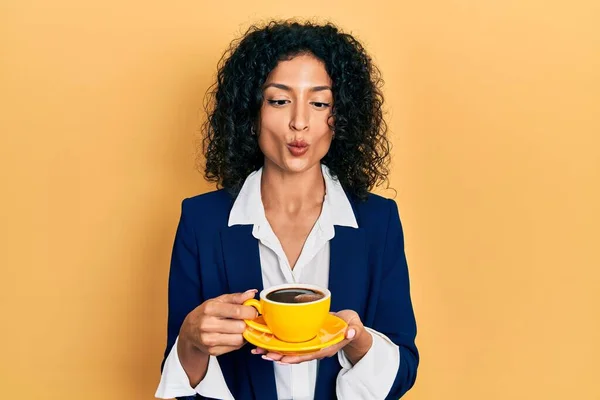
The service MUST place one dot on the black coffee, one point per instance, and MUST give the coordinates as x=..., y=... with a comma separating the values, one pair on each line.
x=295, y=295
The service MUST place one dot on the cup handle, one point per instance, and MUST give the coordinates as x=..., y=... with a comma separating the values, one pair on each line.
x=253, y=324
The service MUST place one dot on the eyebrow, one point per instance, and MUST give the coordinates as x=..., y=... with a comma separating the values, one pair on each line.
x=289, y=89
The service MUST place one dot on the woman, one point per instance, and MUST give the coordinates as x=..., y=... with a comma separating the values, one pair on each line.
x=295, y=137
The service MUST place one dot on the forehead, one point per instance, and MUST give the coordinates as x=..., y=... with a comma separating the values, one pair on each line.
x=302, y=70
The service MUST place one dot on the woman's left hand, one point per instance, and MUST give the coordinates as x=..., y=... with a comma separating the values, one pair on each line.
x=356, y=344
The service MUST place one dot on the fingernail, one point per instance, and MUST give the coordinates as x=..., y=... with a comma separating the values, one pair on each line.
x=267, y=358
x=250, y=291
x=253, y=351
x=351, y=333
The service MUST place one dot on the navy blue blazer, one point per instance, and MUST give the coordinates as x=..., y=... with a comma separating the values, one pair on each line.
x=368, y=274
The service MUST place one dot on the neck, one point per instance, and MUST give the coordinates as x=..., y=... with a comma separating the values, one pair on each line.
x=291, y=192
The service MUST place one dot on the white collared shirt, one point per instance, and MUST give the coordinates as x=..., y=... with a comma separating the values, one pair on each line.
x=371, y=378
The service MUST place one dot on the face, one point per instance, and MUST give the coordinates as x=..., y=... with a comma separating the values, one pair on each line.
x=294, y=134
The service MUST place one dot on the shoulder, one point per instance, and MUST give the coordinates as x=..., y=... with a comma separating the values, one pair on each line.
x=208, y=209
x=375, y=210
x=216, y=198
x=380, y=218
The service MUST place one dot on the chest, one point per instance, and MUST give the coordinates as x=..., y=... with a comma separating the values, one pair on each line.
x=292, y=231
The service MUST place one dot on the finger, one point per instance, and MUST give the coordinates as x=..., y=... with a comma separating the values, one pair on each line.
x=296, y=359
x=237, y=298
x=289, y=359
x=220, y=350
x=222, y=325
x=326, y=352
x=223, y=339
x=228, y=310
x=273, y=356
x=280, y=358
x=299, y=359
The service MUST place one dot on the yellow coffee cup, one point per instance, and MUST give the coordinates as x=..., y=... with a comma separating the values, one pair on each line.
x=289, y=311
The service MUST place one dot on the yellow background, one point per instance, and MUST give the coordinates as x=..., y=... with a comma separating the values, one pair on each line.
x=494, y=111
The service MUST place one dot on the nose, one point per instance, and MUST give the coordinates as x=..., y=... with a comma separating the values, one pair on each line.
x=300, y=117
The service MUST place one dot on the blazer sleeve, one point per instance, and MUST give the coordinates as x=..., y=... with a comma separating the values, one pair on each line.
x=394, y=315
x=185, y=289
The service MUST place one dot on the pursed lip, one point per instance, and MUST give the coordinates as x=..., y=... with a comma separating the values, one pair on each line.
x=297, y=148
x=298, y=143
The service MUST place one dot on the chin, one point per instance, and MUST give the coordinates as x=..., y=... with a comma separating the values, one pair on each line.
x=295, y=168
x=298, y=165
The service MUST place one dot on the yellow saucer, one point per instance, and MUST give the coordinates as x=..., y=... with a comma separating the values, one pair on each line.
x=332, y=332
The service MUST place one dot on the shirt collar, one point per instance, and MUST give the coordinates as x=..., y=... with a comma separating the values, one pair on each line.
x=248, y=208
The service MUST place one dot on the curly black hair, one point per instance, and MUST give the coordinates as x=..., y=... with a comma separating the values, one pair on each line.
x=359, y=154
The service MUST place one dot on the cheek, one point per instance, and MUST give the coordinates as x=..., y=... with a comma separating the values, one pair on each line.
x=324, y=141
x=273, y=119
x=270, y=124
x=266, y=142
x=325, y=144
x=270, y=142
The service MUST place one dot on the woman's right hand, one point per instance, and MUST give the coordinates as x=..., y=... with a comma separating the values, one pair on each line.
x=215, y=327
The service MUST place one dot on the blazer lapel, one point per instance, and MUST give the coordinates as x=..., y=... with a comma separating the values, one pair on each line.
x=242, y=259
x=242, y=272
x=348, y=284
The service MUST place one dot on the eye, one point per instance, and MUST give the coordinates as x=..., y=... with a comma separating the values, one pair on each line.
x=319, y=104
x=278, y=103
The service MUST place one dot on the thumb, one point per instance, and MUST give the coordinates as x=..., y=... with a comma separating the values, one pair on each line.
x=350, y=333
x=237, y=298
x=354, y=327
